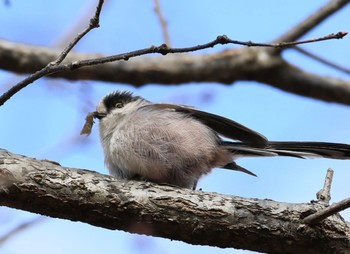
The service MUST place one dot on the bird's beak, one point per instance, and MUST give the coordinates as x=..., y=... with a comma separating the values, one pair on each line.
x=99, y=115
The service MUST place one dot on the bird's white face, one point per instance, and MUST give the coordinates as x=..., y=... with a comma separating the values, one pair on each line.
x=101, y=108
x=112, y=110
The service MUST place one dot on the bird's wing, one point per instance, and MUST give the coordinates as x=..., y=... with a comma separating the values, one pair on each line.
x=223, y=126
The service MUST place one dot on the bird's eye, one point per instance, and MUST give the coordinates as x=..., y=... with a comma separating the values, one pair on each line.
x=119, y=105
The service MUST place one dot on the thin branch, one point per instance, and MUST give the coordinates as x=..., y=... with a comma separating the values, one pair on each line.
x=313, y=20
x=329, y=211
x=323, y=60
x=60, y=42
x=53, y=66
x=94, y=23
x=163, y=22
x=338, y=35
x=223, y=39
x=77, y=25
x=324, y=195
x=21, y=227
x=25, y=82
x=162, y=49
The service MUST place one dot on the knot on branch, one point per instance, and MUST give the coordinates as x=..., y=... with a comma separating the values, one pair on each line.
x=222, y=39
x=340, y=35
x=163, y=49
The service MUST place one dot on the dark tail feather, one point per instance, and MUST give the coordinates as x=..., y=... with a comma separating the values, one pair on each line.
x=291, y=149
x=310, y=149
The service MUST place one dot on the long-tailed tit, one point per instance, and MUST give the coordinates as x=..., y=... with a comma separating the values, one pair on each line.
x=176, y=144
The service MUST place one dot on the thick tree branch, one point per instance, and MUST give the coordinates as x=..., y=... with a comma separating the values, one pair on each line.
x=56, y=65
x=192, y=216
x=288, y=77
x=254, y=64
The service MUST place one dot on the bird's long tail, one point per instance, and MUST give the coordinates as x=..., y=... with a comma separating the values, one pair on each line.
x=292, y=149
x=288, y=148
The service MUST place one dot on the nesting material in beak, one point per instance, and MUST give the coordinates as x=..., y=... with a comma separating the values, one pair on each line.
x=89, y=121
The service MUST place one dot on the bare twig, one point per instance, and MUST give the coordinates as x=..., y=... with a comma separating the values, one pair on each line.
x=69, y=34
x=329, y=211
x=222, y=39
x=313, y=20
x=338, y=35
x=77, y=25
x=53, y=66
x=20, y=228
x=322, y=60
x=324, y=195
x=162, y=49
x=94, y=23
x=163, y=22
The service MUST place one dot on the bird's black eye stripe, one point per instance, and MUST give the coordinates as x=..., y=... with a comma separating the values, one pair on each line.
x=118, y=99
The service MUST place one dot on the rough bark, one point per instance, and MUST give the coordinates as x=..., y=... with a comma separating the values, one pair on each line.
x=194, y=217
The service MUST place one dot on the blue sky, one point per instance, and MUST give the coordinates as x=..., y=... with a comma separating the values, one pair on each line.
x=44, y=119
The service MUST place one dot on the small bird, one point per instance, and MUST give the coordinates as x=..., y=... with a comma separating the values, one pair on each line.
x=176, y=144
